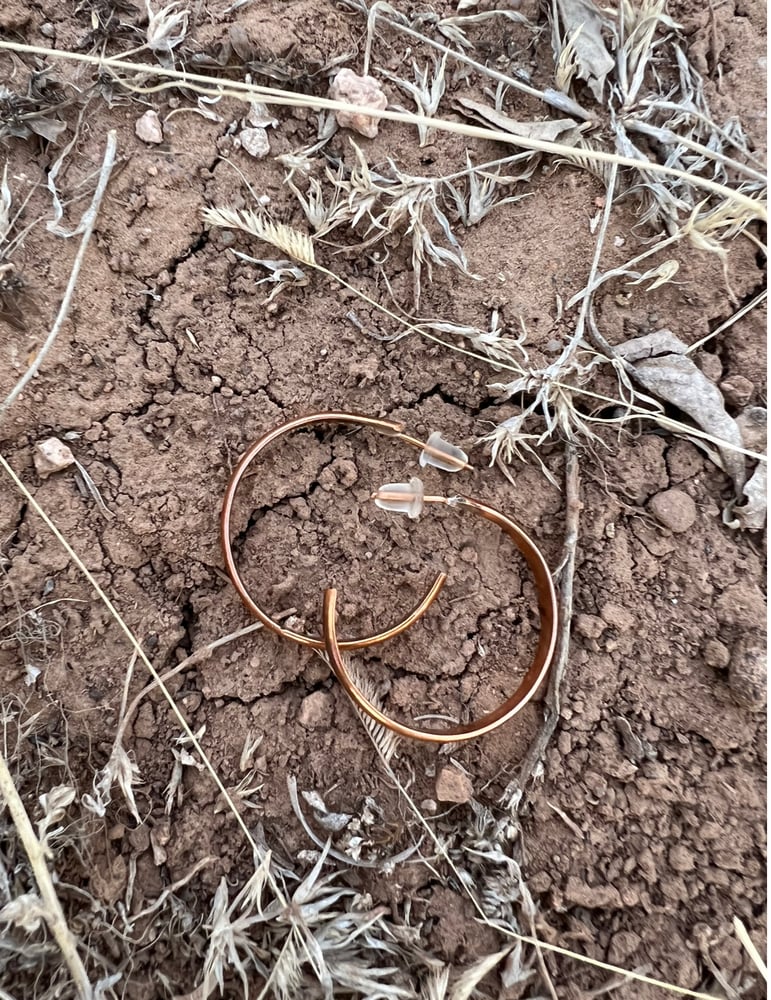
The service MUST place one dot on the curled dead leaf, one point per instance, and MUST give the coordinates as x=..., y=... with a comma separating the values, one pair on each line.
x=662, y=368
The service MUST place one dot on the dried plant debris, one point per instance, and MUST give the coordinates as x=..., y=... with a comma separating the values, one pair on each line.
x=427, y=90
x=166, y=28
x=660, y=364
x=33, y=113
x=16, y=302
x=580, y=28
x=108, y=20
x=564, y=130
x=751, y=513
x=236, y=49
x=383, y=206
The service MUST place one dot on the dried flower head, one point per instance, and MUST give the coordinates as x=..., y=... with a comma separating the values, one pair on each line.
x=168, y=28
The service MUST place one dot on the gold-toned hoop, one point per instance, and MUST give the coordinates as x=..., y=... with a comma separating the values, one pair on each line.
x=390, y=428
x=547, y=604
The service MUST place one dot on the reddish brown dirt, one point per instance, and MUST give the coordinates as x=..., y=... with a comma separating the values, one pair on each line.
x=645, y=835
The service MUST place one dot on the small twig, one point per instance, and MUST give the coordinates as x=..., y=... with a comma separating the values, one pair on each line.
x=544, y=969
x=190, y=661
x=749, y=947
x=53, y=913
x=554, y=98
x=88, y=221
x=567, y=820
x=572, y=513
x=760, y=297
x=586, y=303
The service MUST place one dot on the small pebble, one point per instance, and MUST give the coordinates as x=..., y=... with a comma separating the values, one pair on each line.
x=365, y=91
x=453, y=785
x=716, y=655
x=316, y=710
x=737, y=390
x=50, y=456
x=255, y=142
x=674, y=510
x=148, y=128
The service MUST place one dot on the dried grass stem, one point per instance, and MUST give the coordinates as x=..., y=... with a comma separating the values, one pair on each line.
x=54, y=915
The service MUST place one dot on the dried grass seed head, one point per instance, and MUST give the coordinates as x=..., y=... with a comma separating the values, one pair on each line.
x=167, y=28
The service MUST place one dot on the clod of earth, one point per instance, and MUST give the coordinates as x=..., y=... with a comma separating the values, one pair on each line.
x=364, y=91
x=674, y=510
x=453, y=785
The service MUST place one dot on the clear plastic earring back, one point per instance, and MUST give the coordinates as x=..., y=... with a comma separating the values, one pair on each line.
x=442, y=455
x=401, y=498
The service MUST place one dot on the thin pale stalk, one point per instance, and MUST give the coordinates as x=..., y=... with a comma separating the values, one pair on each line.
x=553, y=98
x=592, y=287
x=89, y=220
x=272, y=95
x=137, y=646
x=585, y=304
x=54, y=915
x=670, y=138
x=760, y=297
x=637, y=413
x=190, y=661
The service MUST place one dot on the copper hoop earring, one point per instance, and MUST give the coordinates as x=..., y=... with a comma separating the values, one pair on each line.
x=547, y=604
x=442, y=455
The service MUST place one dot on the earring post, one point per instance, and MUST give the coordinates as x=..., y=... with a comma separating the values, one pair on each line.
x=436, y=452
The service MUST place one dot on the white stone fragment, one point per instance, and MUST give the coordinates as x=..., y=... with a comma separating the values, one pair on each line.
x=364, y=91
x=255, y=142
x=50, y=456
x=260, y=117
x=148, y=128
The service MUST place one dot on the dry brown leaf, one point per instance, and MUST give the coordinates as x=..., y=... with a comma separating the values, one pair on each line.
x=582, y=23
x=563, y=129
x=751, y=515
x=661, y=367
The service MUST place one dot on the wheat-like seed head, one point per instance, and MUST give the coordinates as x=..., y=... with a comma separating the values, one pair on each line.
x=292, y=242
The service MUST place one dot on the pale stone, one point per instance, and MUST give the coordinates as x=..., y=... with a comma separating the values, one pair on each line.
x=364, y=91
x=148, y=128
x=453, y=785
x=316, y=710
x=52, y=455
x=255, y=142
